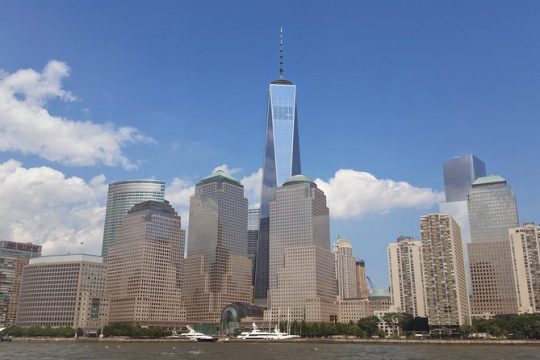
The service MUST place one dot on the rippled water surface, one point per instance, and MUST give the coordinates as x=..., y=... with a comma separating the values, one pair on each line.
x=258, y=351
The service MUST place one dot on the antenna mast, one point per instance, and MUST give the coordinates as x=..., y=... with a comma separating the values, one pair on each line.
x=281, y=69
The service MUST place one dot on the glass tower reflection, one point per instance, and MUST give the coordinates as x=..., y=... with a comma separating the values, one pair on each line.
x=281, y=161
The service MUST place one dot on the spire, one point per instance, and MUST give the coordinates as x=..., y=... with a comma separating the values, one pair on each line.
x=281, y=69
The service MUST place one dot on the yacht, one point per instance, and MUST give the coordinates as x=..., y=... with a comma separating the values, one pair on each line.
x=283, y=335
x=256, y=334
x=197, y=336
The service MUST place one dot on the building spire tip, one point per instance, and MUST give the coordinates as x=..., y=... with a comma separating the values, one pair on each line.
x=281, y=68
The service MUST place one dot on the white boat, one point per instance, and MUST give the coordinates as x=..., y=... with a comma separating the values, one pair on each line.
x=283, y=335
x=197, y=336
x=256, y=334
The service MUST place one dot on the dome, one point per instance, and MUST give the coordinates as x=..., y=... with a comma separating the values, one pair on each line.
x=219, y=175
x=297, y=179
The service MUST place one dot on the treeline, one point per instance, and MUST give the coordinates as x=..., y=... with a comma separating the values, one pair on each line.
x=526, y=326
x=19, y=331
x=363, y=328
x=134, y=331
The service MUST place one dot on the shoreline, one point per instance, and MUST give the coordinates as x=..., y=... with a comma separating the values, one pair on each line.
x=295, y=341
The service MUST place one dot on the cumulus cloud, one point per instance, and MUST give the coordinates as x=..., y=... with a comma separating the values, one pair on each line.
x=42, y=206
x=252, y=188
x=27, y=126
x=353, y=194
x=225, y=168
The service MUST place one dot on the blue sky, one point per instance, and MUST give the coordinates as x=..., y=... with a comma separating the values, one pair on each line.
x=391, y=88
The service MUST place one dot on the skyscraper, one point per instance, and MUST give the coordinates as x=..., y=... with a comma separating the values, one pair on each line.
x=406, y=276
x=217, y=268
x=302, y=270
x=492, y=211
x=281, y=161
x=363, y=290
x=459, y=174
x=121, y=197
x=254, y=217
x=525, y=245
x=447, y=302
x=345, y=269
x=13, y=257
x=144, y=268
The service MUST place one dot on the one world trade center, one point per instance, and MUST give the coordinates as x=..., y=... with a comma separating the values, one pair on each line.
x=281, y=161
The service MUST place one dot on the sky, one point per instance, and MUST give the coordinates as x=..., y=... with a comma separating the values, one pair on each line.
x=98, y=91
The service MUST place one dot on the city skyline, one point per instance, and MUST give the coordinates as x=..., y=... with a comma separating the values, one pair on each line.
x=371, y=83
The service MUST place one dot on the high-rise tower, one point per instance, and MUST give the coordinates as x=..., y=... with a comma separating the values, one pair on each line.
x=492, y=211
x=281, y=160
x=217, y=268
x=121, y=197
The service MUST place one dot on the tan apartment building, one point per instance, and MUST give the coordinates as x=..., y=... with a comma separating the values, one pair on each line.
x=447, y=301
x=406, y=276
x=525, y=248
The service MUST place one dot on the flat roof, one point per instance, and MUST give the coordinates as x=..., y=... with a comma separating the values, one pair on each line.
x=66, y=259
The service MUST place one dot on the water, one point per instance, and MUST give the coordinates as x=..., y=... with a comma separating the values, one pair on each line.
x=261, y=351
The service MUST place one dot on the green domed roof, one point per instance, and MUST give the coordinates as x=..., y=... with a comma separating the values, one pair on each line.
x=296, y=179
x=219, y=175
x=380, y=293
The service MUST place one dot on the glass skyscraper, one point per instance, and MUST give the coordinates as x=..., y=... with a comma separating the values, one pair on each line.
x=281, y=161
x=121, y=197
x=459, y=174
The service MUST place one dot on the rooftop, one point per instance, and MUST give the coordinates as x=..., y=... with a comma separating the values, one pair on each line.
x=492, y=179
x=219, y=175
x=66, y=259
x=298, y=179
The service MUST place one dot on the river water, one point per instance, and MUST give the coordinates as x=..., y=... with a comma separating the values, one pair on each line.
x=261, y=351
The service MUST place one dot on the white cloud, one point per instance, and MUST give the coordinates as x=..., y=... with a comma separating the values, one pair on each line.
x=42, y=206
x=27, y=126
x=179, y=193
x=353, y=194
x=252, y=188
x=225, y=168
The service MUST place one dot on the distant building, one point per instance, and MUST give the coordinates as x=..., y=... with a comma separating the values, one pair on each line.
x=447, y=302
x=345, y=269
x=492, y=211
x=64, y=290
x=459, y=174
x=253, y=237
x=302, y=277
x=363, y=289
x=144, y=269
x=13, y=257
x=217, y=268
x=525, y=247
x=281, y=161
x=121, y=197
x=356, y=309
x=406, y=276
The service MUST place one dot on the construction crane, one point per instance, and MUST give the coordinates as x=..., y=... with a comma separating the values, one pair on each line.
x=371, y=285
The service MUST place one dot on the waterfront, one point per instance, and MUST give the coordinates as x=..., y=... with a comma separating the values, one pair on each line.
x=259, y=351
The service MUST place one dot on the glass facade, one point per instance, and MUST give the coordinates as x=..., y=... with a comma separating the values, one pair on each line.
x=281, y=161
x=492, y=209
x=121, y=197
x=459, y=174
